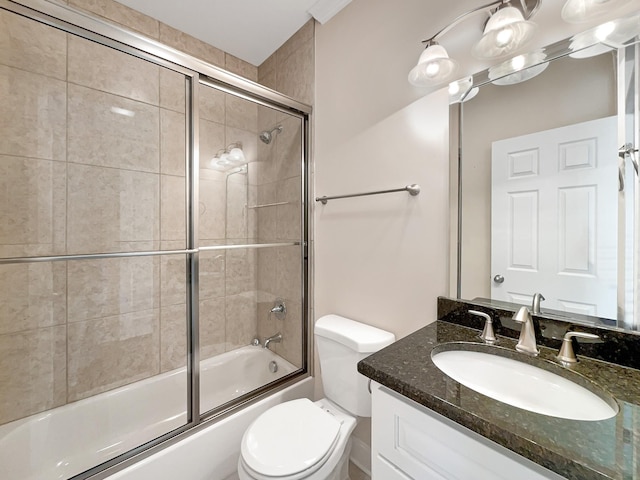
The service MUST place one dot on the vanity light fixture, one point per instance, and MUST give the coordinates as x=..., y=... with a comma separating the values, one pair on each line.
x=608, y=36
x=580, y=11
x=228, y=158
x=519, y=69
x=507, y=31
x=462, y=90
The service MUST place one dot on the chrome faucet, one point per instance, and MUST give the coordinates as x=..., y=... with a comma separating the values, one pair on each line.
x=535, y=304
x=277, y=338
x=527, y=340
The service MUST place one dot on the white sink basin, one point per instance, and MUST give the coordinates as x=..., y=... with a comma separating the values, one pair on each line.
x=524, y=386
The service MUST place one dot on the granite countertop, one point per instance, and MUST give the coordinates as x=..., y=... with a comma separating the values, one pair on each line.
x=577, y=450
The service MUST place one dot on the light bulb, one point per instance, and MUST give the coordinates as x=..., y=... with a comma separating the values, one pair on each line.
x=517, y=62
x=434, y=66
x=506, y=32
x=432, y=69
x=504, y=36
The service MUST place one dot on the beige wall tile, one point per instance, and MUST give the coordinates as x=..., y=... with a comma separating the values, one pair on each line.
x=252, y=213
x=32, y=295
x=108, y=70
x=173, y=207
x=240, y=324
x=289, y=273
x=107, y=353
x=266, y=217
x=111, y=210
x=291, y=328
x=173, y=280
x=111, y=287
x=289, y=215
x=212, y=274
x=172, y=90
x=267, y=68
x=241, y=113
x=301, y=39
x=172, y=143
x=266, y=119
x=113, y=131
x=32, y=46
x=212, y=327
x=237, y=227
x=32, y=115
x=289, y=149
x=270, y=80
x=241, y=271
x=267, y=274
x=173, y=337
x=266, y=162
x=240, y=67
x=212, y=210
x=295, y=74
x=211, y=103
x=212, y=139
x=33, y=372
x=191, y=45
x=32, y=206
x=121, y=14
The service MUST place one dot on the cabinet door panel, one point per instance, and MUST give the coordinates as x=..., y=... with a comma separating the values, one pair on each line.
x=426, y=445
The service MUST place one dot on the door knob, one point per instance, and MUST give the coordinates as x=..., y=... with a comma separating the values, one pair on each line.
x=498, y=278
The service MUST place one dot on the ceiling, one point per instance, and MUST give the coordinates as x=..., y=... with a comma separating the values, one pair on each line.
x=248, y=29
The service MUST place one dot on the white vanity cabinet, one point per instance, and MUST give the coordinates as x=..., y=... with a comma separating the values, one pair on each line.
x=410, y=441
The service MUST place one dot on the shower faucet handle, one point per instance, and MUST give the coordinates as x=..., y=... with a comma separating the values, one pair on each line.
x=279, y=309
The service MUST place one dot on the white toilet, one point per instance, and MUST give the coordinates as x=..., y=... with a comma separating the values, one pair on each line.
x=309, y=440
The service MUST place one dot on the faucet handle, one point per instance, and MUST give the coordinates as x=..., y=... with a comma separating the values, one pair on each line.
x=487, y=334
x=566, y=354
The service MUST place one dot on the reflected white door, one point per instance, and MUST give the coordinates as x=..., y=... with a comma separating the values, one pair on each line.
x=554, y=218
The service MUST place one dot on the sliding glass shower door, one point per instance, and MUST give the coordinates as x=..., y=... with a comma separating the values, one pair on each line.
x=152, y=245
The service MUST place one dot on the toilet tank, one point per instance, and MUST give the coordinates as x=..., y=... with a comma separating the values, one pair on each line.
x=342, y=343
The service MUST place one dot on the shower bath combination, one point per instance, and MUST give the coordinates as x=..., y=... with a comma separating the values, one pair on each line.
x=268, y=135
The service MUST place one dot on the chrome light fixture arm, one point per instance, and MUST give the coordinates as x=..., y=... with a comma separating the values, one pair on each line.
x=460, y=18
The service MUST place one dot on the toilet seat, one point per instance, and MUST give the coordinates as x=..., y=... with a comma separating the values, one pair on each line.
x=291, y=440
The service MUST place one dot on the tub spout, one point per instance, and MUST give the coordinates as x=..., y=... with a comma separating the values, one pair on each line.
x=277, y=338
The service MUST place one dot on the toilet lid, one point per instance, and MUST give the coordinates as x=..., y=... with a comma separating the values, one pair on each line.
x=289, y=438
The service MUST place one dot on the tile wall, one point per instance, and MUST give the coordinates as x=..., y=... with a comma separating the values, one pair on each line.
x=90, y=163
x=290, y=70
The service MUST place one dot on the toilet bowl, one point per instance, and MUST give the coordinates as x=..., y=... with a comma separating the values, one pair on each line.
x=301, y=439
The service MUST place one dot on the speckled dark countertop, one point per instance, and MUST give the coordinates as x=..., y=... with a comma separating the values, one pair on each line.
x=577, y=450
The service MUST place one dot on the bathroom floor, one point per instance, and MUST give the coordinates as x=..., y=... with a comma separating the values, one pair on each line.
x=356, y=474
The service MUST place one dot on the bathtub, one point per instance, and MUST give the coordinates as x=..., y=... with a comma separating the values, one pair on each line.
x=67, y=440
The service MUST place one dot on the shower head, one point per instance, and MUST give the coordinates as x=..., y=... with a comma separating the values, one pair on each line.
x=267, y=135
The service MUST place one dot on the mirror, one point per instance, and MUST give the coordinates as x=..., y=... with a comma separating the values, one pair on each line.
x=546, y=194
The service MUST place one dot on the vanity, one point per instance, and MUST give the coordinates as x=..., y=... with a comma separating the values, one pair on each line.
x=426, y=425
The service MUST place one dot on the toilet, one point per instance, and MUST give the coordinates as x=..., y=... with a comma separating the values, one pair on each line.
x=301, y=439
